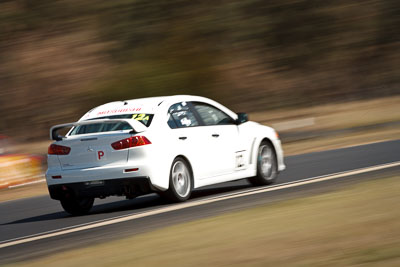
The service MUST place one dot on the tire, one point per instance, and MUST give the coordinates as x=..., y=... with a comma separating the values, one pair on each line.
x=180, y=181
x=267, y=166
x=76, y=206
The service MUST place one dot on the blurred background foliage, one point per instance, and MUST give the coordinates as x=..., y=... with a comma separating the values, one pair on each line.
x=60, y=58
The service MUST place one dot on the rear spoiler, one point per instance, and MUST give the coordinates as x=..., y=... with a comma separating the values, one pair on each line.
x=136, y=126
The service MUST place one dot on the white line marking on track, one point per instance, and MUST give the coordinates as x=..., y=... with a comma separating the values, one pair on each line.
x=129, y=217
x=29, y=183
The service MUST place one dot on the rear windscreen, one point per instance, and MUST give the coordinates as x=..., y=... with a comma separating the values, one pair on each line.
x=117, y=126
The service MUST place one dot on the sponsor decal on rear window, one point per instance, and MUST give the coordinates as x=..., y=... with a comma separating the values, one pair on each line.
x=141, y=117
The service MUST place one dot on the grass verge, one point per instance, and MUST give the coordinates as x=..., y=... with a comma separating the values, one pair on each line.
x=340, y=141
x=359, y=225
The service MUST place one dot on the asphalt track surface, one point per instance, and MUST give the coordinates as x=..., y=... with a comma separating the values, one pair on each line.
x=35, y=216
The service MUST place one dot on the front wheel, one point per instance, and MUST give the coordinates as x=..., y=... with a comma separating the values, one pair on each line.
x=267, y=166
x=180, y=181
x=77, y=206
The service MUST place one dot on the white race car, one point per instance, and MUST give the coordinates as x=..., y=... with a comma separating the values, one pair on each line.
x=169, y=145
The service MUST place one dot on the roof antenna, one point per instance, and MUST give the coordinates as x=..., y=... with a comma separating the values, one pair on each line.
x=125, y=103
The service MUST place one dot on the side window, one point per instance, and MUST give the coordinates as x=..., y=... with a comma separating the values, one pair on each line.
x=211, y=115
x=179, y=116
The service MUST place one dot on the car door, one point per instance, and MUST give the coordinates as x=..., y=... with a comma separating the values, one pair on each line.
x=222, y=137
x=188, y=138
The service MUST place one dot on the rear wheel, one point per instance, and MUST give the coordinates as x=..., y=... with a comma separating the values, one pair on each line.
x=77, y=206
x=267, y=166
x=180, y=181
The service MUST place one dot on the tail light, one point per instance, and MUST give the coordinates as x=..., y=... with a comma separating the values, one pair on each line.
x=131, y=142
x=58, y=150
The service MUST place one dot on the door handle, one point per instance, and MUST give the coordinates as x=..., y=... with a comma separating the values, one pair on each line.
x=182, y=138
x=215, y=135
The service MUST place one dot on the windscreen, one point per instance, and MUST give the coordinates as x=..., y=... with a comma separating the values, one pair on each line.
x=108, y=127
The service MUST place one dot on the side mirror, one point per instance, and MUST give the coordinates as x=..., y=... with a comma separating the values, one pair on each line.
x=242, y=118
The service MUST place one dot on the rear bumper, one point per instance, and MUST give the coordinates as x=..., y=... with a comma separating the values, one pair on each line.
x=129, y=187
